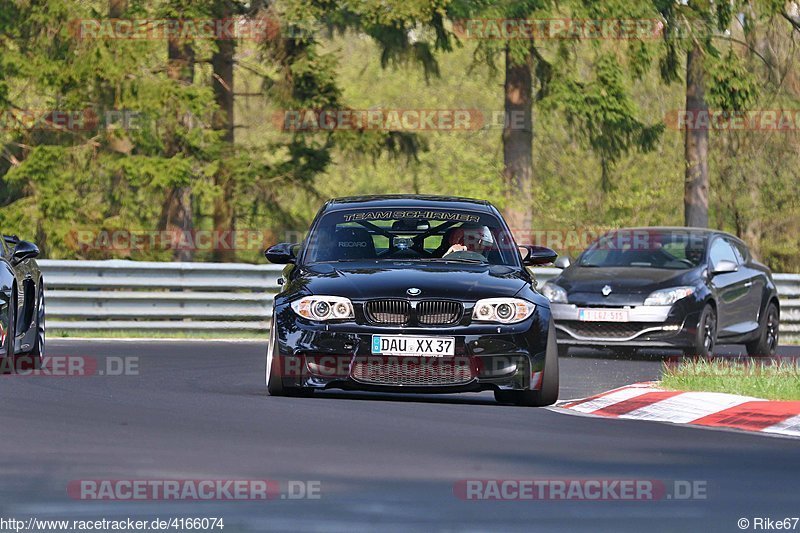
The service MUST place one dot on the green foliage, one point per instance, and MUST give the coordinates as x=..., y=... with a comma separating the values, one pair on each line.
x=469, y=163
x=731, y=84
x=604, y=114
x=602, y=157
x=760, y=379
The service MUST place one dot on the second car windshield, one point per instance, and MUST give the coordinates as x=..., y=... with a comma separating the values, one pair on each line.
x=647, y=249
x=410, y=235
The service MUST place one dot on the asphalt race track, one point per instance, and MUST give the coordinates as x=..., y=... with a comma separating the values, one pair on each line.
x=198, y=410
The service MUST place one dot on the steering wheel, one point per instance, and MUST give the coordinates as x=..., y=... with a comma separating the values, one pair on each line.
x=466, y=254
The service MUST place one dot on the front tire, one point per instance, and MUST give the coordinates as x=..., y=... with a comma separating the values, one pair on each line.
x=7, y=363
x=768, y=335
x=706, y=336
x=273, y=373
x=273, y=378
x=34, y=359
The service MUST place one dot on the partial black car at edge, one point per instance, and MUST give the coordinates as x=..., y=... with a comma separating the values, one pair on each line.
x=22, y=309
x=682, y=288
x=413, y=294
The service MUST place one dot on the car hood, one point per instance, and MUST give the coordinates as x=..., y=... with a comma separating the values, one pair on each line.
x=629, y=285
x=393, y=279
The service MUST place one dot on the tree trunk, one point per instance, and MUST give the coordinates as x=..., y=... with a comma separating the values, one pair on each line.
x=222, y=66
x=116, y=8
x=518, y=145
x=176, y=211
x=696, y=186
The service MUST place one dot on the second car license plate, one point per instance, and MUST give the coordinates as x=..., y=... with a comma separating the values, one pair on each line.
x=603, y=315
x=413, y=346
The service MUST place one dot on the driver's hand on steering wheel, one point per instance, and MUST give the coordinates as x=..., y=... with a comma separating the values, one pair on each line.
x=455, y=248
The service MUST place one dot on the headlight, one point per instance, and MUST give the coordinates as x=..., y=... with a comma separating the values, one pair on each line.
x=324, y=308
x=503, y=310
x=554, y=293
x=669, y=296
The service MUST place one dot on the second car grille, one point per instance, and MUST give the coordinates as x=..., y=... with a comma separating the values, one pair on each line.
x=427, y=312
x=389, y=312
x=607, y=330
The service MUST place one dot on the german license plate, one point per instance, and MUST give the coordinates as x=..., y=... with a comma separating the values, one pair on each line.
x=603, y=315
x=413, y=346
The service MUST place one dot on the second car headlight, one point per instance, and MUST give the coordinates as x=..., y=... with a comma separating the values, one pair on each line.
x=554, y=293
x=668, y=296
x=324, y=308
x=502, y=310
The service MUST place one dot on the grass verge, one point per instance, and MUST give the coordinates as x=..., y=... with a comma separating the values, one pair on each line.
x=770, y=379
x=166, y=334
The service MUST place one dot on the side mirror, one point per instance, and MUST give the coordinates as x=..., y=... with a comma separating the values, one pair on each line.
x=724, y=267
x=562, y=262
x=537, y=255
x=281, y=254
x=24, y=250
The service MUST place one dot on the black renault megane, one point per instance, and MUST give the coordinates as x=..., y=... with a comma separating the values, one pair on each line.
x=666, y=287
x=417, y=294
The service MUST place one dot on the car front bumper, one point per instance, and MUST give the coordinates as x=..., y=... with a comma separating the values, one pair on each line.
x=647, y=326
x=338, y=355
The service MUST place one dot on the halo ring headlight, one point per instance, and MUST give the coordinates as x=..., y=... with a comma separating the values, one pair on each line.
x=502, y=310
x=322, y=308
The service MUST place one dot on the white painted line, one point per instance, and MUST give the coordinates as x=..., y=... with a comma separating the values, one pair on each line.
x=790, y=426
x=687, y=407
x=683, y=408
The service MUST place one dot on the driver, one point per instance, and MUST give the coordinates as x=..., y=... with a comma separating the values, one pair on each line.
x=470, y=240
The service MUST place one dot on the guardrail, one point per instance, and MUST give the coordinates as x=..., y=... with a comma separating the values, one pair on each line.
x=126, y=295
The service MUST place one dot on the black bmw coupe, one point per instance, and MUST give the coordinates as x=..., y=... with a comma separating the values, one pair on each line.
x=415, y=294
x=681, y=288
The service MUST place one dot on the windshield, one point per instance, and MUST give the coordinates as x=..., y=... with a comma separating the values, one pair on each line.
x=432, y=235
x=678, y=250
